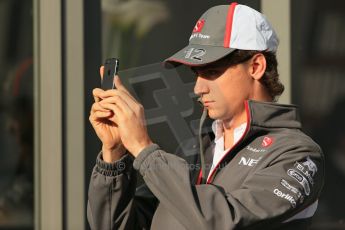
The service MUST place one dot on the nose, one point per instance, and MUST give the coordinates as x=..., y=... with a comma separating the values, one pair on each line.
x=201, y=86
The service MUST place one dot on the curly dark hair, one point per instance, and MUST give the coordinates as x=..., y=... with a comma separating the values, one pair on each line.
x=271, y=76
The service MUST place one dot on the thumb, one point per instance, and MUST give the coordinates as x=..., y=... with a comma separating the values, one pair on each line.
x=118, y=84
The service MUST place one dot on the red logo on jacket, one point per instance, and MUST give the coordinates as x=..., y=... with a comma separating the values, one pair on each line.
x=267, y=141
x=198, y=26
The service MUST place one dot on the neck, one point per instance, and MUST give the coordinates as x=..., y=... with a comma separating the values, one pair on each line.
x=229, y=127
x=260, y=93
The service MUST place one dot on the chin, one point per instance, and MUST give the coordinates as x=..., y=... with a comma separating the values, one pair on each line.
x=213, y=115
x=218, y=116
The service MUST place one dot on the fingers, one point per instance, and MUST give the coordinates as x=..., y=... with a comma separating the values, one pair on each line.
x=115, y=110
x=97, y=94
x=101, y=71
x=121, y=109
x=97, y=107
x=123, y=100
x=100, y=115
x=118, y=84
x=114, y=103
x=97, y=112
x=123, y=93
x=96, y=116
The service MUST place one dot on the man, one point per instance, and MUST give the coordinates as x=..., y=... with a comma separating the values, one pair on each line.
x=265, y=173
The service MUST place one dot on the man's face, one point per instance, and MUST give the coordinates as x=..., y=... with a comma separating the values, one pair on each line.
x=223, y=89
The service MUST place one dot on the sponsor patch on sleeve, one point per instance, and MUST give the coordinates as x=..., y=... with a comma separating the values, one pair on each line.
x=300, y=179
x=308, y=168
x=285, y=196
x=293, y=189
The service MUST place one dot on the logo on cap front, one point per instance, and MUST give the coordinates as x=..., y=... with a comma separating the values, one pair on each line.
x=198, y=26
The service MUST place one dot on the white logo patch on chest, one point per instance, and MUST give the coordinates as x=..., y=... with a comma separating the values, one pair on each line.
x=247, y=161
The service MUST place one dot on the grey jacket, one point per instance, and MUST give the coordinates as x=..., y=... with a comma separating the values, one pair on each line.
x=271, y=179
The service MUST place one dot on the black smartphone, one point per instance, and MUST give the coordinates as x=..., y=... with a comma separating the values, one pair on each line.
x=111, y=67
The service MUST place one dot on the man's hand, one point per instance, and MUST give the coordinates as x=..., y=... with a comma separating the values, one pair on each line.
x=106, y=130
x=128, y=115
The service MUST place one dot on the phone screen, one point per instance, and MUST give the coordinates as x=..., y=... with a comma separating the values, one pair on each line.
x=111, y=67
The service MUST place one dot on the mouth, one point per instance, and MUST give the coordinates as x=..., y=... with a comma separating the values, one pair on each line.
x=207, y=103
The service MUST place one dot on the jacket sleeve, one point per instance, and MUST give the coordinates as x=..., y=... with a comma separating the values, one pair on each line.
x=262, y=199
x=113, y=200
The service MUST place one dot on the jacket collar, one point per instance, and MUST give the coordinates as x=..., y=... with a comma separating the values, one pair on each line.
x=273, y=115
x=261, y=117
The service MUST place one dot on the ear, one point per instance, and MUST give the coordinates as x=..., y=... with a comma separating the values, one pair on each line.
x=257, y=66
